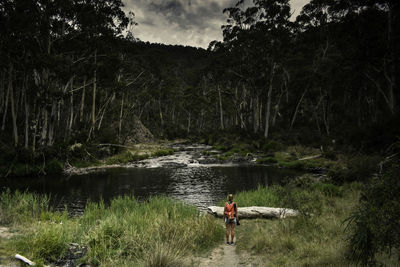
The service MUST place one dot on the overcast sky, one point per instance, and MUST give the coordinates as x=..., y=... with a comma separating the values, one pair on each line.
x=185, y=22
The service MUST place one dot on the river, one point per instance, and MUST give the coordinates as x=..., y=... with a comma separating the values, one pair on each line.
x=181, y=176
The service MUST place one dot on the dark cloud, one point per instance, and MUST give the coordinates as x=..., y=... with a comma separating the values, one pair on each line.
x=185, y=22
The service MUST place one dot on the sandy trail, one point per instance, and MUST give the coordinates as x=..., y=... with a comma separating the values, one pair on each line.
x=224, y=255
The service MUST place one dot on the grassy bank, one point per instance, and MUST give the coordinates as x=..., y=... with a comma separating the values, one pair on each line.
x=318, y=237
x=17, y=163
x=152, y=233
x=127, y=155
x=340, y=167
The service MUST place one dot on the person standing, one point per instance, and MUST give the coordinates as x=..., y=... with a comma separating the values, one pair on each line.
x=230, y=218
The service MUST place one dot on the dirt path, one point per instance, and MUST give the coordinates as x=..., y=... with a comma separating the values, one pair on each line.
x=223, y=255
x=227, y=256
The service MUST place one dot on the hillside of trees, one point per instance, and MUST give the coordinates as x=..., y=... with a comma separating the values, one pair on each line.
x=73, y=72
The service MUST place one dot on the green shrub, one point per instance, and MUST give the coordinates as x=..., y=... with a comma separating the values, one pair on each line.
x=124, y=157
x=235, y=150
x=138, y=157
x=54, y=166
x=77, y=151
x=304, y=181
x=127, y=156
x=230, y=153
x=338, y=174
x=268, y=160
x=374, y=225
x=360, y=168
x=85, y=164
x=271, y=146
x=295, y=165
x=308, y=203
x=330, y=154
x=328, y=190
x=300, y=151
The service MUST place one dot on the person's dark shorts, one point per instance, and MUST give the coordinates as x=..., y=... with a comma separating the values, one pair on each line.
x=230, y=221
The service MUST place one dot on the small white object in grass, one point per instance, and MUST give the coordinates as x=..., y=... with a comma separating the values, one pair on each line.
x=22, y=258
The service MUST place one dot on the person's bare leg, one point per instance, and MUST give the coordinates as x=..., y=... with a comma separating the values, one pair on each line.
x=228, y=229
x=232, y=231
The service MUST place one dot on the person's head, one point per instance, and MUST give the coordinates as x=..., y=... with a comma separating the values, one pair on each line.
x=230, y=197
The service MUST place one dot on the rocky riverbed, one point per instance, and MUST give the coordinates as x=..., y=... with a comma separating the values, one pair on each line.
x=194, y=155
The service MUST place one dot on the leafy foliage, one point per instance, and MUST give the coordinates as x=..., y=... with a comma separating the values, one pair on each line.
x=328, y=78
x=375, y=223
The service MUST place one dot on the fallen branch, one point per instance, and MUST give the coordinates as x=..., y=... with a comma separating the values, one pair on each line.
x=22, y=258
x=255, y=212
x=311, y=157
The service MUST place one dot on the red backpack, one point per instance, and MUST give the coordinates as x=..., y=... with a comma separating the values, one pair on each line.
x=230, y=210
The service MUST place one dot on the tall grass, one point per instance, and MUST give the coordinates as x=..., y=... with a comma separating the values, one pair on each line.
x=21, y=207
x=262, y=196
x=315, y=238
x=158, y=232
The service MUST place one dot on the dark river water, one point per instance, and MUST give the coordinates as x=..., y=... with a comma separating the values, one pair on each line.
x=201, y=185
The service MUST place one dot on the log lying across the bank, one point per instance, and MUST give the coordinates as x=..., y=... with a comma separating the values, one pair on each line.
x=255, y=212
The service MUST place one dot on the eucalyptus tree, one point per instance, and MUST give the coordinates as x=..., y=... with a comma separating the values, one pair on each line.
x=351, y=66
x=46, y=49
x=259, y=34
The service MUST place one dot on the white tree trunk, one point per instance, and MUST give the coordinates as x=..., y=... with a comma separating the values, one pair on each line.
x=297, y=109
x=44, y=126
x=94, y=95
x=35, y=130
x=269, y=97
x=220, y=108
x=255, y=212
x=13, y=113
x=52, y=121
x=5, y=108
x=256, y=114
x=26, y=121
x=82, y=100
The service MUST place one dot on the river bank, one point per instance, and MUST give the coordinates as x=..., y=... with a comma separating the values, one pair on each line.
x=324, y=164
x=166, y=232
x=83, y=159
x=123, y=232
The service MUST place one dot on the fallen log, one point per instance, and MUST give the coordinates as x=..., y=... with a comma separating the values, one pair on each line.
x=255, y=212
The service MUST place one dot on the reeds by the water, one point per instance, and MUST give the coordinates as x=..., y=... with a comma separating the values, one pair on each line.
x=158, y=232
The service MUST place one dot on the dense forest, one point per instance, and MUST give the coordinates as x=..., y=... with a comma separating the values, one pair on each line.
x=317, y=94
x=73, y=72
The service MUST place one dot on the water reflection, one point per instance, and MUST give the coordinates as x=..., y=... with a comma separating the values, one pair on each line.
x=197, y=186
x=201, y=185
